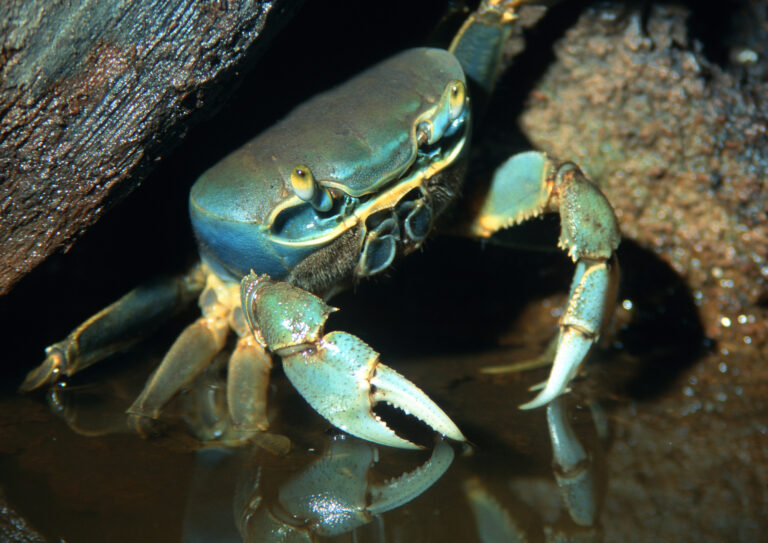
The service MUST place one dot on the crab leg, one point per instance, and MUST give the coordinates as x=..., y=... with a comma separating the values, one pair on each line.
x=480, y=41
x=247, y=384
x=337, y=373
x=115, y=327
x=530, y=184
x=189, y=355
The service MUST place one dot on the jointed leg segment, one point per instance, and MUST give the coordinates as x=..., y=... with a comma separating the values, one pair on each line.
x=116, y=327
x=530, y=184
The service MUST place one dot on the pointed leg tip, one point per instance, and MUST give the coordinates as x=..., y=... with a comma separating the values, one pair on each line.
x=45, y=374
x=541, y=400
x=32, y=381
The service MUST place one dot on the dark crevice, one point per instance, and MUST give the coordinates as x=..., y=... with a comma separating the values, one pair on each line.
x=665, y=335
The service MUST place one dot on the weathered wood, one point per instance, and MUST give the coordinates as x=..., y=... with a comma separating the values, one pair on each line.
x=92, y=93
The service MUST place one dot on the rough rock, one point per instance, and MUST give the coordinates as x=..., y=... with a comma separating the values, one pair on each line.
x=92, y=95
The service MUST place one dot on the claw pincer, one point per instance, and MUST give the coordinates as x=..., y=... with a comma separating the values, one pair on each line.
x=338, y=374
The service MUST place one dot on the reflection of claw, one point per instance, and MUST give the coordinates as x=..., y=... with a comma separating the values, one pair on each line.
x=579, y=484
x=338, y=374
x=401, y=490
x=573, y=467
x=333, y=495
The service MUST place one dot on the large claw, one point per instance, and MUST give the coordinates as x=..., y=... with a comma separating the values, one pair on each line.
x=342, y=379
x=338, y=374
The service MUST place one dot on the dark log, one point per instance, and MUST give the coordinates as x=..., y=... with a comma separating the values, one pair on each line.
x=92, y=94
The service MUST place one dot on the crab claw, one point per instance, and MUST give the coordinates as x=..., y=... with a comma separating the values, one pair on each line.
x=342, y=379
x=337, y=373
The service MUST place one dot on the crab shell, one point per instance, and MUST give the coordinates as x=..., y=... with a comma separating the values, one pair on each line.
x=246, y=212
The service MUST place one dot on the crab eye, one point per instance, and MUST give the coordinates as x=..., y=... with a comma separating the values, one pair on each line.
x=457, y=95
x=303, y=182
x=446, y=116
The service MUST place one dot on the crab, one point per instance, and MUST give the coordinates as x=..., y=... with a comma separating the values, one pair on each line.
x=345, y=184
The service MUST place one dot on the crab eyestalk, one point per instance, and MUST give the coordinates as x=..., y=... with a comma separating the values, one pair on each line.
x=338, y=374
x=306, y=187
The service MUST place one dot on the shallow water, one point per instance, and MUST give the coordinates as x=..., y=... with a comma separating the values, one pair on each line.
x=669, y=457
x=676, y=427
x=118, y=487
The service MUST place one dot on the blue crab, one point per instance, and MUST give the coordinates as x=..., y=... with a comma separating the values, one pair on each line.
x=335, y=192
